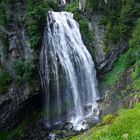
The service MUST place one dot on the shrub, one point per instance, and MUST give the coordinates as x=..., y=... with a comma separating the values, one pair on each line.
x=108, y=119
x=103, y=20
x=119, y=67
x=36, y=19
x=118, y=18
x=52, y=5
x=85, y=29
x=135, y=40
x=72, y=7
x=5, y=80
x=130, y=58
x=24, y=70
x=136, y=72
x=136, y=84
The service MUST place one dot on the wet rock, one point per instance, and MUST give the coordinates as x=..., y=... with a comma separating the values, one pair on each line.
x=98, y=31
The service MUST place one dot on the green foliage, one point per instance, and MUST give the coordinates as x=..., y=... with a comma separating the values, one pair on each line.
x=103, y=20
x=129, y=59
x=6, y=12
x=97, y=5
x=120, y=66
x=85, y=29
x=3, y=136
x=5, y=42
x=5, y=80
x=136, y=84
x=108, y=119
x=18, y=131
x=111, y=34
x=118, y=18
x=24, y=70
x=124, y=126
x=106, y=8
x=136, y=72
x=135, y=55
x=36, y=17
x=52, y=5
x=3, y=17
x=72, y=7
x=135, y=40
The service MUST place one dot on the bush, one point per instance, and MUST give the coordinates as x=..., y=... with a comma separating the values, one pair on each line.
x=118, y=18
x=136, y=84
x=85, y=29
x=136, y=72
x=24, y=70
x=130, y=58
x=36, y=19
x=135, y=40
x=108, y=119
x=103, y=20
x=72, y=7
x=119, y=67
x=5, y=80
x=52, y=5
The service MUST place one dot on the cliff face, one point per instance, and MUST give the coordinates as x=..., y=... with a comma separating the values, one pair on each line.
x=17, y=97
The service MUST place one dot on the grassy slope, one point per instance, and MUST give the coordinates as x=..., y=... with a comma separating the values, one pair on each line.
x=125, y=126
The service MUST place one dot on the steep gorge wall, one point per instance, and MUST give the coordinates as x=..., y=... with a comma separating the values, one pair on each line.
x=18, y=97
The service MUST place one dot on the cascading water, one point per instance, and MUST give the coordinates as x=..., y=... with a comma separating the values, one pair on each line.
x=68, y=74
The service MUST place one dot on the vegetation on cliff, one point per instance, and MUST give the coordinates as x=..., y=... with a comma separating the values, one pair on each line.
x=36, y=17
x=128, y=59
x=5, y=80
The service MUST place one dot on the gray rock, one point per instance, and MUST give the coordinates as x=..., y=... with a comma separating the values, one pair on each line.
x=15, y=106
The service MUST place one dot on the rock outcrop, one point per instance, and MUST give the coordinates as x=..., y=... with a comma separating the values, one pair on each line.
x=16, y=105
x=82, y=4
x=104, y=60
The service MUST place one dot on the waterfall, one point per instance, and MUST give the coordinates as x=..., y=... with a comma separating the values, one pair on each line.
x=68, y=73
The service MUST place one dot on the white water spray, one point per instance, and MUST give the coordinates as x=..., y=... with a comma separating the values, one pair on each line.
x=68, y=74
